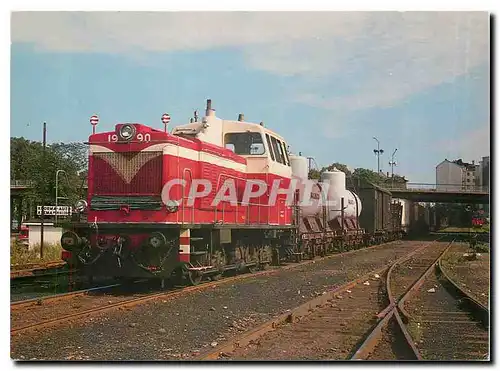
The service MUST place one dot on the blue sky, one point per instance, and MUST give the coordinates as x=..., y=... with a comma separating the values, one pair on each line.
x=328, y=82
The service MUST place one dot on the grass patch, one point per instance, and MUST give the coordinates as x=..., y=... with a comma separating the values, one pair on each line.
x=483, y=247
x=483, y=229
x=415, y=329
x=20, y=254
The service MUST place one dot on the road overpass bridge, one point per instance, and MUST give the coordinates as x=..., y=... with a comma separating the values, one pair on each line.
x=452, y=193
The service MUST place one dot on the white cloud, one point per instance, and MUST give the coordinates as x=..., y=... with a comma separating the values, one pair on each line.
x=170, y=31
x=386, y=56
x=472, y=145
x=406, y=53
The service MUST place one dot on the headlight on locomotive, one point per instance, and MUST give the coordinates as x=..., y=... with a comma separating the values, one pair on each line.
x=81, y=206
x=70, y=241
x=127, y=132
x=172, y=206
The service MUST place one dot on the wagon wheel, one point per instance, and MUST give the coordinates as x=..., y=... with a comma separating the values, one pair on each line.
x=194, y=277
x=183, y=276
x=216, y=277
x=263, y=259
x=276, y=257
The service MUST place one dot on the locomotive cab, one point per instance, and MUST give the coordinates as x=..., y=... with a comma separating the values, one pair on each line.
x=264, y=150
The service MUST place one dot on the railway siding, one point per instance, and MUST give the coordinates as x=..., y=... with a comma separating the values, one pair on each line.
x=330, y=333
x=473, y=276
x=189, y=325
x=73, y=304
x=33, y=269
x=336, y=329
x=442, y=328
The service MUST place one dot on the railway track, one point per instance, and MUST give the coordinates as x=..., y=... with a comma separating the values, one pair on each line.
x=368, y=319
x=327, y=327
x=449, y=323
x=100, y=304
x=50, y=284
x=36, y=269
x=391, y=339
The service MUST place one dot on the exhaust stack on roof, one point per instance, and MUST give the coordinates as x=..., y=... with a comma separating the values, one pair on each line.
x=209, y=111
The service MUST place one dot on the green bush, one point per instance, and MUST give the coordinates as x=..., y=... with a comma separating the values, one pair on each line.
x=482, y=247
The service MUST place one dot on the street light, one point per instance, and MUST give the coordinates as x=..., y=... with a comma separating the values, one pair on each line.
x=57, y=190
x=378, y=152
x=43, y=189
x=393, y=163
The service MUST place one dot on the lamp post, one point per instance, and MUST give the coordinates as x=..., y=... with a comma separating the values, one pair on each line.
x=57, y=192
x=393, y=163
x=43, y=189
x=378, y=152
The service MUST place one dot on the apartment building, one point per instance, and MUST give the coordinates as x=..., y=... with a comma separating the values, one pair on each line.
x=484, y=172
x=457, y=175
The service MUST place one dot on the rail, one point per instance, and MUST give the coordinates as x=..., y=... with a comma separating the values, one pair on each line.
x=40, y=323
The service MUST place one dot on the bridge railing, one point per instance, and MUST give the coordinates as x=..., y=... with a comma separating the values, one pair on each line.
x=429, y=187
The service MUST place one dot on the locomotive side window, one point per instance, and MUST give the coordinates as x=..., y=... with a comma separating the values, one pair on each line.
x=285, y=154
x=280, y=150
x=277, y=154
x=270, y=147
x=245, y=143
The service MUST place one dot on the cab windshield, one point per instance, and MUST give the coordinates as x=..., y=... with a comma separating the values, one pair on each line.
x=245, y=143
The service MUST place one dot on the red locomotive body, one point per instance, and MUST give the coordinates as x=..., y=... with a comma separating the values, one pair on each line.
x=212, y=196
x=172, y=205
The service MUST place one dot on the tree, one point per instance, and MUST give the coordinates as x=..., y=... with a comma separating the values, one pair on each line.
x=369, y=176
x=314, y=174
x=338, y=166
x=27, y=164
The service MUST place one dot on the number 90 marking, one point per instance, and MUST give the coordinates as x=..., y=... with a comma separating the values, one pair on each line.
x=144, y=138
x=140, y=137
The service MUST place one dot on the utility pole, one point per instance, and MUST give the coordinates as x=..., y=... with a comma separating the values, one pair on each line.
x=393, y=163
x=378, y=152
x=57, y=193
x=43, y=187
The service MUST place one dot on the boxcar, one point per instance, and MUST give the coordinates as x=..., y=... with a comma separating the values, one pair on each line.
x=379, y=217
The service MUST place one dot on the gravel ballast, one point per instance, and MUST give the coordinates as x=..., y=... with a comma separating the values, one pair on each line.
x=187, y=326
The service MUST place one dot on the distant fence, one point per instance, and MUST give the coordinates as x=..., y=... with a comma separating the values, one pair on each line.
x=433, y=187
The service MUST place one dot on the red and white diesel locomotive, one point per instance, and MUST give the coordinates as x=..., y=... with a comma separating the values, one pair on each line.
x=177, y=206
